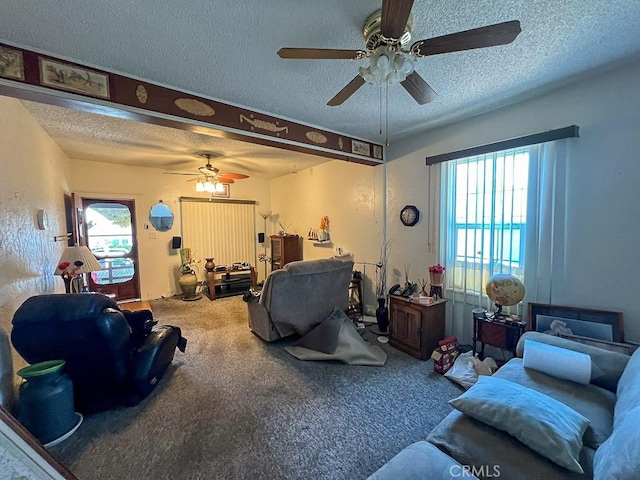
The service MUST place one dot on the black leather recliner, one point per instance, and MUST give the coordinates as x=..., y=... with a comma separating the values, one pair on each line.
x=113, y=356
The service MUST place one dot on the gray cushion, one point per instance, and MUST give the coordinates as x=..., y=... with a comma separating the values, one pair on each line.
x=619, y=457
x=594, y=403
x=471, y=442
x=610, y=365
x=421, y=461
x=628, y=389
x=558, y=362
x=545, y=425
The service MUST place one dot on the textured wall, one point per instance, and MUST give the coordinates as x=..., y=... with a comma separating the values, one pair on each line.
x=601, y=257
x=33, y=177
x=146, y=186
x=349, y=194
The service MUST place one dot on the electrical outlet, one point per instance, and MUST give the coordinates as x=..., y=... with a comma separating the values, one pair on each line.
x=153, y=234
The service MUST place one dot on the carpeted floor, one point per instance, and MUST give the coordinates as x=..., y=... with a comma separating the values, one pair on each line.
x=235, y=407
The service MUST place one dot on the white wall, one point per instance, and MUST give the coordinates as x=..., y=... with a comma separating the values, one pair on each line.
x=33, y=177
x=158, y=262
x=601, y=258
x=350, y=195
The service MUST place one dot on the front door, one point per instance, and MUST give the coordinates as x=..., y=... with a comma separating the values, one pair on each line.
x=109, y=229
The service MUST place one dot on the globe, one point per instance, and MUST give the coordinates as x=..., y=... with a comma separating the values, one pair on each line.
x=504, y=290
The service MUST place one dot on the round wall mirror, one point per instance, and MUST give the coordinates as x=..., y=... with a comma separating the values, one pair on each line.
x=161, y=217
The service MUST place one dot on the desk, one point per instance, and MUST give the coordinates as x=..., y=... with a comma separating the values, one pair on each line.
x=211, y=279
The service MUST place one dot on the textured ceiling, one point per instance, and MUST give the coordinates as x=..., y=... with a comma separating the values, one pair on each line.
x=227, y=50
x=100, y=138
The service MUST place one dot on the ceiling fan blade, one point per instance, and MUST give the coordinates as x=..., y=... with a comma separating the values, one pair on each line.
x=395, y=14
x=419, y=89
x=489, y=36
x=347, y=91
x=176, y=173
x=226, y=180
x=236, y=176
x=321, y=54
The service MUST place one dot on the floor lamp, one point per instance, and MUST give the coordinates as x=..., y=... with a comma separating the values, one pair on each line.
x=264, y=216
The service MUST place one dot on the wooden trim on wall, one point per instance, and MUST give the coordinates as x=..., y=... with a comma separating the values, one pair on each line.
x=549, y=136
x=47, y=79
x=22, y=444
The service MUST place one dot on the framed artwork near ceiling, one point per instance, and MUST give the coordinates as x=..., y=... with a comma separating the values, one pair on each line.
x=566, y=321
x=73, y=79
x=11, y=63
x=224, y=193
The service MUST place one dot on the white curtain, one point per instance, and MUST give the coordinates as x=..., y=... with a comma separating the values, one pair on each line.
x=543, y=253
x=223, y=230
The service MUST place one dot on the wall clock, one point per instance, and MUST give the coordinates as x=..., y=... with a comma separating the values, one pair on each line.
x=43, y=219
x=409, y=215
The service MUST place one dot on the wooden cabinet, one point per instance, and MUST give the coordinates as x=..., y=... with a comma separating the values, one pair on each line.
x=416, y=328
x=284, y=250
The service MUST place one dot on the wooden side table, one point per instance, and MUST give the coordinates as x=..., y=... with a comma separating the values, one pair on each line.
x=500, y=334
x=416, y=328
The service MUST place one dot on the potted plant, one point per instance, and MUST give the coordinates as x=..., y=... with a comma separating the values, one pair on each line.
x=188, y=279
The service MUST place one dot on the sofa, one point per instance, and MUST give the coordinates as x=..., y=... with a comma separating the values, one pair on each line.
x=299, y=296
x=610, y=445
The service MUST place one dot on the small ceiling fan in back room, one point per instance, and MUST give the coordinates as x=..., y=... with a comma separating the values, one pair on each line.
x=209, y=177
x=387, y=34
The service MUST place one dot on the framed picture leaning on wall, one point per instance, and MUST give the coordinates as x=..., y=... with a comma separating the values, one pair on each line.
x=572, y=321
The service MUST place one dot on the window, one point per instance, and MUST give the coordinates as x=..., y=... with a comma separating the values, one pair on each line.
x=486, y=217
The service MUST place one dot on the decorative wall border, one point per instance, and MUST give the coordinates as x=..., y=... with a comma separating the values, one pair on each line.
x=97, y=86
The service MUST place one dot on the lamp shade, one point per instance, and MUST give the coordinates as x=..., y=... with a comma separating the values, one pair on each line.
x=80, y=260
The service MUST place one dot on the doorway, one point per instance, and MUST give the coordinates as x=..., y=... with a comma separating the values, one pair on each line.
x=110, y=232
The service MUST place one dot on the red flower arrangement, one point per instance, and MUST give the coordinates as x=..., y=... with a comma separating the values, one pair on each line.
x=436, y=269
x=67, y=271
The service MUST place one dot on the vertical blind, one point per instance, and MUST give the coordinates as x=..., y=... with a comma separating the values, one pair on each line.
x=224, y=230
x=485, y=224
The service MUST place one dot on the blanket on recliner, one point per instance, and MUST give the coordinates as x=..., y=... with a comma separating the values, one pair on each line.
x=336, y=338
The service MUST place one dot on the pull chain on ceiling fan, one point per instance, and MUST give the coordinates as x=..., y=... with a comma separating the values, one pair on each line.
x=387, y=34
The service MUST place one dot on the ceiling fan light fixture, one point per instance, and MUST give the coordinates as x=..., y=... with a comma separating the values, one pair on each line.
x=387, y=66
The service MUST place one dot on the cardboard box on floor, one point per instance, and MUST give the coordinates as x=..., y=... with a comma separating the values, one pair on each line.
x=444, y=356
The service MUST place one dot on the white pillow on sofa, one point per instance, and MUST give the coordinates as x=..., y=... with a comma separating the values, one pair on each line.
x=557, y=362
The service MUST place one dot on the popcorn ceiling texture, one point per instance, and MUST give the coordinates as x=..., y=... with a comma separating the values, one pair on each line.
x=227, y=50
x=33, y=178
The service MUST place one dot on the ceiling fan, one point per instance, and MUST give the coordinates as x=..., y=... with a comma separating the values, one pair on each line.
x=387, y=34
x=209, y=177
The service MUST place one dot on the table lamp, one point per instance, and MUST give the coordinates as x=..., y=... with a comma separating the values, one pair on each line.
x=74, y=262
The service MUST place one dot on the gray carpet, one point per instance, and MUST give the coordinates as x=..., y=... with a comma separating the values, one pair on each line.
x=235, y=407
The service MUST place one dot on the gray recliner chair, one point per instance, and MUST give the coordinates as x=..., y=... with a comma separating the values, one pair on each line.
x=299, y=296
